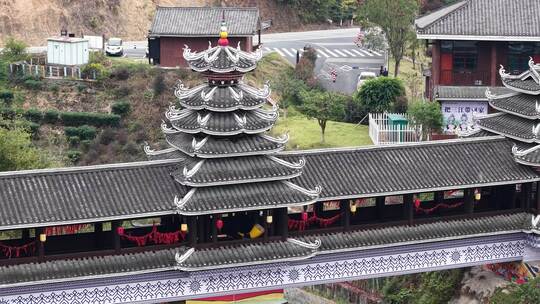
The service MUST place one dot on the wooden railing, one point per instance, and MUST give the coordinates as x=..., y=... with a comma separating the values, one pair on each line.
x=468, y=78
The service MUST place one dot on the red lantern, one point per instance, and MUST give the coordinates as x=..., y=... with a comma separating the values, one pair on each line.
x=304, y=216
x=219, y=224
x=120, y=230
x=417, y=203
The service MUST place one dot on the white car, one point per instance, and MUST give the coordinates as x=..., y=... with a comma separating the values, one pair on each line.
x=114, y=47
x=363, y=77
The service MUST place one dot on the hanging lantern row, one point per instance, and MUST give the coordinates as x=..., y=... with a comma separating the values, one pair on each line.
x=477, y=194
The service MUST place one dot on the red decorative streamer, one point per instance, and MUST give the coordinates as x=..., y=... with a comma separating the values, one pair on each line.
x=302, y=224
x=68, y=229
x=156, y=237
x=16, y=251
x=419, y=208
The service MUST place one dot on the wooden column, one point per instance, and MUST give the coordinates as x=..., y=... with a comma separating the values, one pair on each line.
x=379, y=203
x=525, y=197
x=493, y=72
x=40, y=244
x=468, y=196
x=435, y=65
x=192, y=230
x=346, y=210
x=283, y=223
x=116, y=237
x=98, y=235
x=408, y=208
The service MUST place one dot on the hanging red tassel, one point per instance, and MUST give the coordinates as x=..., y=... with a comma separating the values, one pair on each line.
x=17, y=251
x=156, y=237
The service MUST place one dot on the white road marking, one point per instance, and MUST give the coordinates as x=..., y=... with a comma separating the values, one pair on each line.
x=295, y=50
x=357, y=52
x=376, y=53
x=287, y=51
x=323, y=53
x=279, y=52
x=346, y=51
x=330, y=52
x=367, y=53
x=340, y=53
x=267, y=49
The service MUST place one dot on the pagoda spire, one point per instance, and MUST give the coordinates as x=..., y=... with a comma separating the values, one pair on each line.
x=223, y=40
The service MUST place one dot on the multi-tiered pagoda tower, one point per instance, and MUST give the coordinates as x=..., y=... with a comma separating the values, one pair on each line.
x=219, y=135
x=519, y=114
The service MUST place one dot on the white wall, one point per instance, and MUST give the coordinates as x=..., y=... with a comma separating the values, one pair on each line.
x=67, y=52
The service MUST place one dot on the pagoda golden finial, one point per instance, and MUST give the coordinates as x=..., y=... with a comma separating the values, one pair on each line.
x=223, y=41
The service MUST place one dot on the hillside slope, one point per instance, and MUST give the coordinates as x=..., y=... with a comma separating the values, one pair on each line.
x=35, y=20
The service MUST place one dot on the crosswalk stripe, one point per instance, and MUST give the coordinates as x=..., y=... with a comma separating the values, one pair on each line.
x=346, y=51
x=330, y=52
x=267, y=49
x=295, y=50
x=340, y=53
x=376, y=53
x=279, y=52
x=367, y=53
x=323, y=53
x=287, y=51
x=357, y=52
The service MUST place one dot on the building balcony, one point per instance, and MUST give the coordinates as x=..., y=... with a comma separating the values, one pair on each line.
x=465, y=78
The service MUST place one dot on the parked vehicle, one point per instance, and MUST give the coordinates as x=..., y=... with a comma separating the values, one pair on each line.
x=363, y=77
x=114, y=47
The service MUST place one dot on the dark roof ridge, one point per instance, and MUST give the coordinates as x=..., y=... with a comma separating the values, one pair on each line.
x=102, y=167
x=395, y=146
x=452, y=9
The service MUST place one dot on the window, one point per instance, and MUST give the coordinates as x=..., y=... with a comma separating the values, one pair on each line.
x=519, y=54
x=461, y=55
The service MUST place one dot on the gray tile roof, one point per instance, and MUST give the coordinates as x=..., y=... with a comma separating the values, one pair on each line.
x=464, y=93
x=522, y=105
x=444, y=229
x=213, y=147
x=219, y=171
x=223, y=123
x=528, y=85
x=483, y=19
x=163, y=260
x=86, y=194
x=527, y=154
x=204, y=21
x=222, y=100
x=245, y=254
x=223, y=63
x=510, y=125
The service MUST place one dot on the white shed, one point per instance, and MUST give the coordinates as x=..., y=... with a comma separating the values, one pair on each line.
x=67, y=51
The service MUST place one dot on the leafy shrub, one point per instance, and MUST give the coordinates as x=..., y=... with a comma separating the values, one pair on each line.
x=81, y=87
x=158, y=84
x=99, y=57
x=74, y=140
x=14, y=50
x=121, y=108
x=122, y=91
x=33, y=84
x=6, y=96
x=51, y=116
x=379, y=94
x=28, y=125
x=8, y=113
x=95, y=71
x=120, y=73
x=107, y=136
x=83, y=132
x=34, y=115
x=87, y=118
x=74, y=155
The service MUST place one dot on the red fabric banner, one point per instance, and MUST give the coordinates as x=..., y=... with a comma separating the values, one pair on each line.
x=155, y=237
x=16, y=251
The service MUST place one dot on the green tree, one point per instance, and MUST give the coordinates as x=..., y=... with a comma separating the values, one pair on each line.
x=322, y=106
x=379, y=95
x=396, y=19
x=14, y=50
x=528, y=293
x=288, y=87
x=17, y=151
x=426, y=117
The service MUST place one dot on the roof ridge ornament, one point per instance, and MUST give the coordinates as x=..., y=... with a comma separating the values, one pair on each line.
x=236, y=96
x=534, y=72
x=298, y=165
x=260, y=93
x=182, y=92
x=536, y=130
x=271, y=115
x=188, y=173
x=182, y=258
x=208, y=96
x=242, y=121
x=309, y=192
x=197, y=145
x=167, y=130
x=202, y=121
x=517, y=152
x=172, y=116
x=180, y=203
x=315, y=245
x=280, y=140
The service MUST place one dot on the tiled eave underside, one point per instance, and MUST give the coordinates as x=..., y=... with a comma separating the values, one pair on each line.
x=232, y=256
x=511, y=126
x=521, y=105
x=135, y=190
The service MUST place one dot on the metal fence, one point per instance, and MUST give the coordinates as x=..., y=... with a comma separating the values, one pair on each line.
x=383, y=132
x=51, y=71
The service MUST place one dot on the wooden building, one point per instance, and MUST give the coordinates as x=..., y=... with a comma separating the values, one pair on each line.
x=175, y=27
x=468, y=41
x=224, y=210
